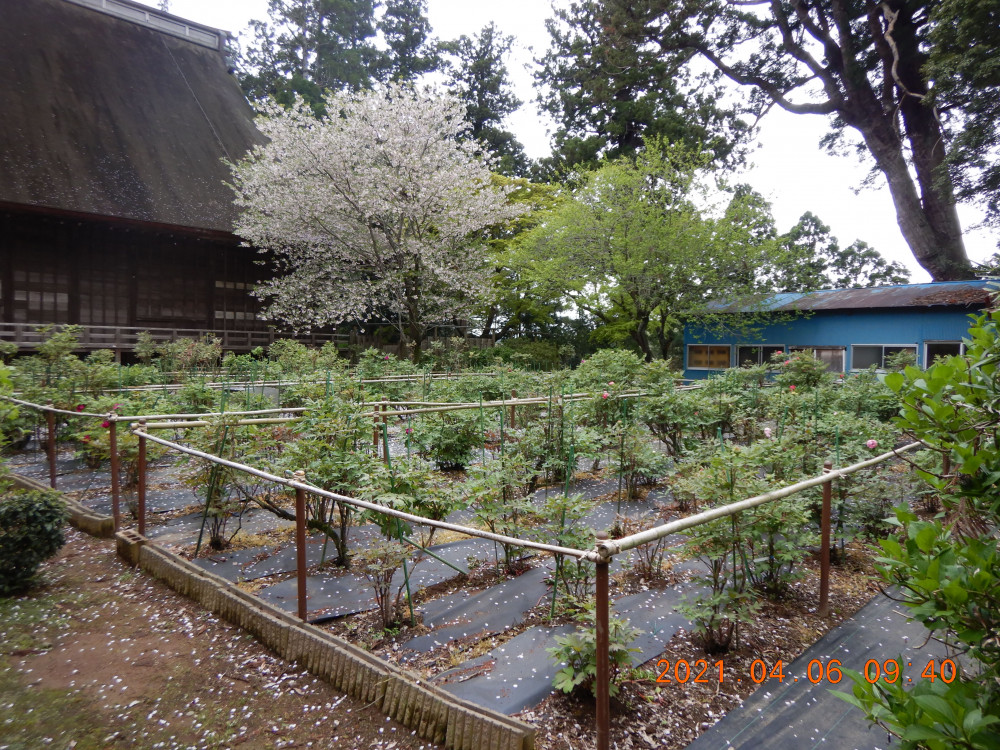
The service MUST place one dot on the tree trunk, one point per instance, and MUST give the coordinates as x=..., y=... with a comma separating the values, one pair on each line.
x=928, y=220
x=640, y=334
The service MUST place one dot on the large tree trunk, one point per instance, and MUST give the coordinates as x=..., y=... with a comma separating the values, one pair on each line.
x=927, y=219
x=929, y=223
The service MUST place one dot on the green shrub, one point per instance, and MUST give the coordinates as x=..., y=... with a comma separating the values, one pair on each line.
x=31, y=530
x=448, y=439
x=579, y=652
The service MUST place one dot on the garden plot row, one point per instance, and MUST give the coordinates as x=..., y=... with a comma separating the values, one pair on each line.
x=715, y=446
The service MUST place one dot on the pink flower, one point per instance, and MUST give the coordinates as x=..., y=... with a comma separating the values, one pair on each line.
x=386, y=357
x=611, y=382
x=872, y=444
x=791, y=387
x=788, y=361
x=605, y=394
x=105, y=424
x=409, y=430
x=767, y=432
x=81, y=407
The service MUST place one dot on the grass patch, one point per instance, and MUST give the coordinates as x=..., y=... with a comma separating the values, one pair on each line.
x=32, y=717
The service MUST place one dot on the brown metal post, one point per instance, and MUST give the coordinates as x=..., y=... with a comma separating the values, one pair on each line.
x=115, y=469
x=824, y=551
x=513, y=396
x=603, y=677
x=50, y=421
x=141, y=490
x=300, y=542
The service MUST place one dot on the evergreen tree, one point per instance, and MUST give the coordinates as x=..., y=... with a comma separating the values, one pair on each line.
x=965, y=66
x=478, y=76
x=407, y=31
x=610, y=90
x=309, y=47
x=811, y=258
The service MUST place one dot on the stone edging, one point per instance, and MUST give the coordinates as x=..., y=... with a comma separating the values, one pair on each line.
x=435, y=714
x=80, y=516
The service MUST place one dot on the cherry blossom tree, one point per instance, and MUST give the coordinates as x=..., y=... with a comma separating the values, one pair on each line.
x=378, y=211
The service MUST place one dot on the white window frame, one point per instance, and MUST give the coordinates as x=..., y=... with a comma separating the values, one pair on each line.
x=710, y=369
x=912, y=347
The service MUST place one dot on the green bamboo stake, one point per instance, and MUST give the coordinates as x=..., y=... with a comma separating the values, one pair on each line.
x=621, y=464
x=399, y=528
x=482, y=426
x=431, y=554
x=213, y=481
x=503, y=409
x=781, y=425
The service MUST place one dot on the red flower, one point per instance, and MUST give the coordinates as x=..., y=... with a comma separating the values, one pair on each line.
x=81, y=407
x=105, y=424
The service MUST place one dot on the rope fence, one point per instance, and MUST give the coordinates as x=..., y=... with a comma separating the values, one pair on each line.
x=601, y=554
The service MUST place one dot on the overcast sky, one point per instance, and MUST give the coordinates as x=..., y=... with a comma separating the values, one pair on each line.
x=789, y=167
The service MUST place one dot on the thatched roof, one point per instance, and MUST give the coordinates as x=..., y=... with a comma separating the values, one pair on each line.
x=108, y=116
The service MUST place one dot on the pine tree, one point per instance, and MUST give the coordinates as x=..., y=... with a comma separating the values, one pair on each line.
x=478, y=76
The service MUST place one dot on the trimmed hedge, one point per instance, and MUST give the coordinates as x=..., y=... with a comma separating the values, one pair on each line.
x=31, y=530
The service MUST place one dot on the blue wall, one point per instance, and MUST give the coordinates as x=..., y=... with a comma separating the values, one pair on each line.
x=843, y=328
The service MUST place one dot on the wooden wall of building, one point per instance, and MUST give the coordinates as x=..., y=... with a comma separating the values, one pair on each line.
x=100, y=272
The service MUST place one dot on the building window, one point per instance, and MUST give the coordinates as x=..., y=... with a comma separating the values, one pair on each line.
x=708, y=357
x=935, y=349
x=831, y=356
x=863, y=357
x=750, y=356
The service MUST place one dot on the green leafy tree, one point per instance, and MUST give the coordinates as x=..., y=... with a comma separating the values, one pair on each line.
x=810, y=258
x=610, y=91
x=632, y=249
x=520, y=308
x=864, y=65
x=478, y=75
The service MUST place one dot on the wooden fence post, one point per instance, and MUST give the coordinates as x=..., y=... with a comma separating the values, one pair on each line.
x=824, y=552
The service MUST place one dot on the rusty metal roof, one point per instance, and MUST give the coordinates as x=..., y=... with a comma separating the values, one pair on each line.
x=968, y=294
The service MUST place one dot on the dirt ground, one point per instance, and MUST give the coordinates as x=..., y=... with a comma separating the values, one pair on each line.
x=99, y=656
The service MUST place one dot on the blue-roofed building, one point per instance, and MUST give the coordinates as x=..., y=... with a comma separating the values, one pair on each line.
x=849, y=329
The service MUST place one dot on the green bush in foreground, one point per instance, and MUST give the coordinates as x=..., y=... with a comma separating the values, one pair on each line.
x=31, y=530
